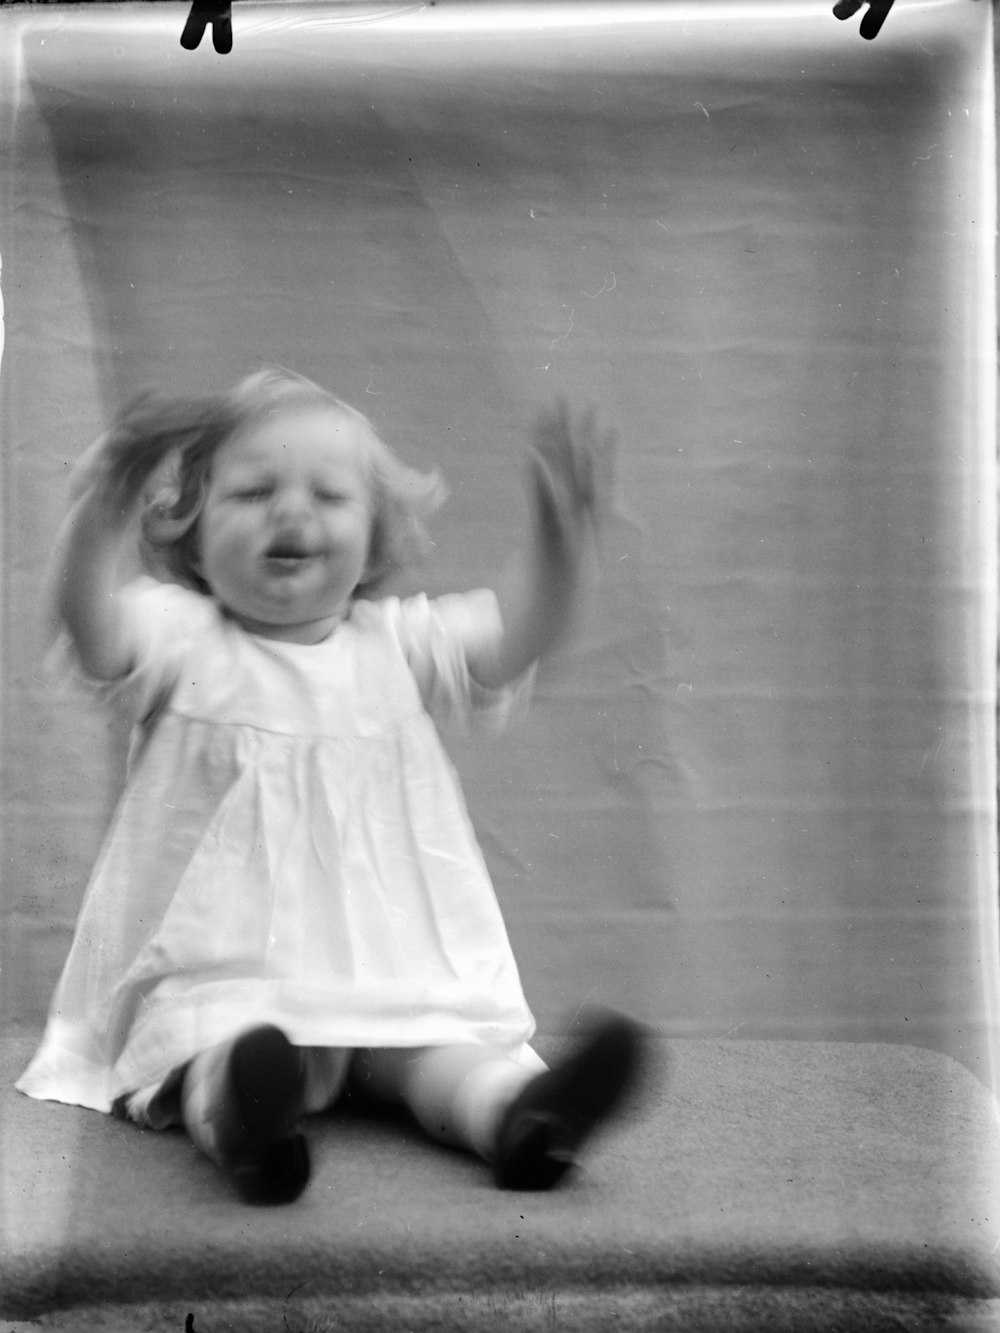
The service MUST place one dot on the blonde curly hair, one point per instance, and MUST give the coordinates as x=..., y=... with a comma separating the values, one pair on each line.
x=402, y=498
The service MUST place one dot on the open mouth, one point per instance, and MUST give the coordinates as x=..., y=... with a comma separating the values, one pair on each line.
x=288, y=556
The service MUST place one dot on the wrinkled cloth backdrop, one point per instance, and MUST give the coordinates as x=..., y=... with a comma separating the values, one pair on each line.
x=757, y=798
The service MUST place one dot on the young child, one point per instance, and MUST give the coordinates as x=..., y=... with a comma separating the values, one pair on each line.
x=291, y=900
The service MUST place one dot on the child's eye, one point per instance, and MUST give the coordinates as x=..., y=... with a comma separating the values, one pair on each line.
x=330, y=497
x=252, y=493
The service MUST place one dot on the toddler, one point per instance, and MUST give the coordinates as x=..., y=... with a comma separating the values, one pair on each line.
x=290, y=902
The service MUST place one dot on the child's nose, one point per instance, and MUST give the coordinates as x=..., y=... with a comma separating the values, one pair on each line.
x=291, y=503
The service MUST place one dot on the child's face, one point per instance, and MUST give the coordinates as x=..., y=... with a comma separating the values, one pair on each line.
x=284, y=532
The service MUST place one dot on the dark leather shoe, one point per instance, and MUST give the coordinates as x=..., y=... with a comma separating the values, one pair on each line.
x=544, y=1129
x=259, y=1141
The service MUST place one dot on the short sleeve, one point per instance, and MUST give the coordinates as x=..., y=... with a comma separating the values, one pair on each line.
x=437, y=636
x=161, y=620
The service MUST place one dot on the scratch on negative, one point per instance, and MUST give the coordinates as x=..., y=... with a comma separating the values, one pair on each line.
x=565, y=335
x=604, y=286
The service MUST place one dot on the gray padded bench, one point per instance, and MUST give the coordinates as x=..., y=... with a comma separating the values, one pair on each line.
x=760, y=1185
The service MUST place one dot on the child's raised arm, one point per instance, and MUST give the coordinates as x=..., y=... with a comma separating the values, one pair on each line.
x=546, y=583
x=89, y=563
x=84, y=578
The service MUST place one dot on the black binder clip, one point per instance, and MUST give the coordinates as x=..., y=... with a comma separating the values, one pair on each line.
x=218, y=13
x=872, y=22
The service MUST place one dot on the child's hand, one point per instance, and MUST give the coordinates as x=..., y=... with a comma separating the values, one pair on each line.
x=116, y=468
x=573, y=473
x=549, y=580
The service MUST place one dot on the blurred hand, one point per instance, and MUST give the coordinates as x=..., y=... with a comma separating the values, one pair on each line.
x=572, y=464
x=114, y=471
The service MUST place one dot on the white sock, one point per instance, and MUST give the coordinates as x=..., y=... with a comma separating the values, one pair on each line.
x=483, y=1097
x=459, y=1094
x=201, y=1100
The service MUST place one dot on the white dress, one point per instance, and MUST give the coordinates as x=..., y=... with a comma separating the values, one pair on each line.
x=292, y=846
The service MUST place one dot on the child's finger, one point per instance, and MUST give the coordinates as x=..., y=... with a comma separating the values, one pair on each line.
x=553, y=431
x=558, y=439
x=604, y=459
x=551, y=507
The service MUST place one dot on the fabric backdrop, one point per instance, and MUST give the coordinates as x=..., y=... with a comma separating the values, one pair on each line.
x=757, y=798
